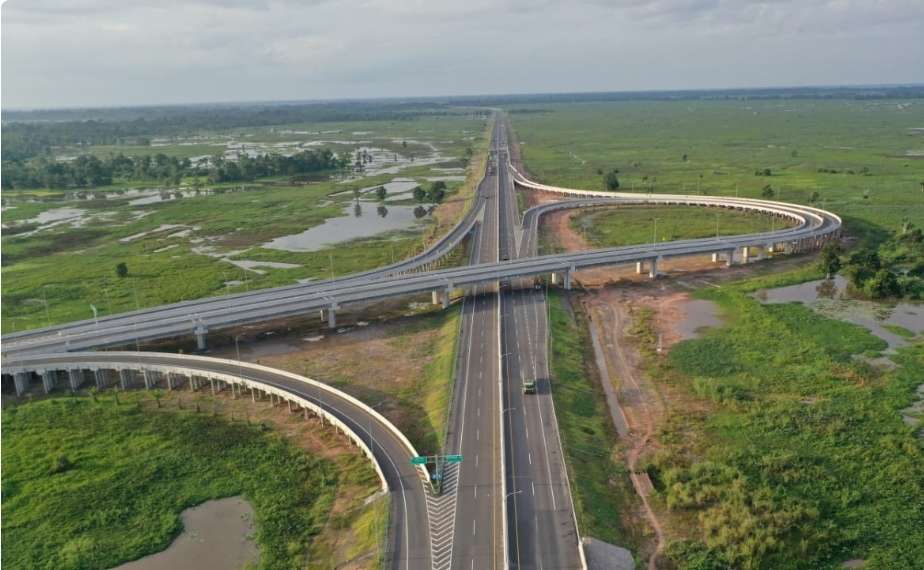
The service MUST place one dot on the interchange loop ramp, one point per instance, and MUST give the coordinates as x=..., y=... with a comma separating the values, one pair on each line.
x=388, y=450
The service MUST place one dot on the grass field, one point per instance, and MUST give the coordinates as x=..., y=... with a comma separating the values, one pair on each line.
x=725, y=142
x=56, y=274
x=599, y=481
x=403, y=367
x=613, y=227
x=139, y=468
x=795, y=454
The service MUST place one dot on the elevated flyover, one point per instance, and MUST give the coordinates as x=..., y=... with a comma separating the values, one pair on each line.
x=813, y=228
x=381, y=442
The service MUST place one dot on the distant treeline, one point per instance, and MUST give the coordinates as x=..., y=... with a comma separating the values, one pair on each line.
x=32, y=133
x=870, y=92
x=87, y=171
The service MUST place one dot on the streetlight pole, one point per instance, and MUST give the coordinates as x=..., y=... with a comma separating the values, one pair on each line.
x=654, y=233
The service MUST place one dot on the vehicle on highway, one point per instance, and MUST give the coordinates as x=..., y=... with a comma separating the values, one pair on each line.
x=529, y=386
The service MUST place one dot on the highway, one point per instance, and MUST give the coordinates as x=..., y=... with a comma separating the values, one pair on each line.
x=477, y=538
x=508, y=503
x=542, y=524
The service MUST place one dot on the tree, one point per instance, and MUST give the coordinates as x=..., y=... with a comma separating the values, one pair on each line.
x=883, y=284
x=767, y=192
x=830, y=259
x=814, y=197
x=436, y=192
x=381, y=193
x=611, y=180
x=121, y=269
x=684, y=157
x=419, y=194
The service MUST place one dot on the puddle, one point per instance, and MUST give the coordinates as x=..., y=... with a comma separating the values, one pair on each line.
x=161, y=228
x=57, y=215
x=254, y=266
x=217, y=535
x=698, y=314
x=399, y=188
x=359, y=220
x=830, y=298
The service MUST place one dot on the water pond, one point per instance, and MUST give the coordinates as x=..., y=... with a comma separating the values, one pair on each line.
x=217, y=535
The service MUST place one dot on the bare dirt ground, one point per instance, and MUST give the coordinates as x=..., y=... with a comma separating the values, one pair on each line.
x=381, y=363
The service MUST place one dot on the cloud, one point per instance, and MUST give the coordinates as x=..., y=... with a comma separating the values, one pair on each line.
x=100, y=52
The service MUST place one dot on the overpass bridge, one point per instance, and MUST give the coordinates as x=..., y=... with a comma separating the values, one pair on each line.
x=813, y=227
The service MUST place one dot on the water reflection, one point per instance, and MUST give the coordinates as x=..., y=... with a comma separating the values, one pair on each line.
x=831, y=298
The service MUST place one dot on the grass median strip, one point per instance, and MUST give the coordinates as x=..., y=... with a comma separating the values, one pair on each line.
x=599, y=480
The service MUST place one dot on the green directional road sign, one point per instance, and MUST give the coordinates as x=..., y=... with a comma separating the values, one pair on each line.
x=419, y=460
x=454, y=458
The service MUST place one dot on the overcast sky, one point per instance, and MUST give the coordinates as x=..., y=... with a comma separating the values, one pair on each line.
x=123, y=52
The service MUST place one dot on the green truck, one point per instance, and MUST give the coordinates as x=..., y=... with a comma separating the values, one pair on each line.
x=529, y=386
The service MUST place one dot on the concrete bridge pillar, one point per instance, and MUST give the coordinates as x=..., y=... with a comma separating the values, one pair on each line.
x=569, y=275
x=446, y=296
x=147, y=378
x=639, y=266
x=21, y=382
x=715, y=257
x=99, y=378
x=125, y=378
x=435, y=298
x=200, y=333
x=169, y=379
x=653, y=268
x=332, y=315
x=48, y=380
x=729, y=258
x=745, y=254
x=75, y=379
x=554, y=278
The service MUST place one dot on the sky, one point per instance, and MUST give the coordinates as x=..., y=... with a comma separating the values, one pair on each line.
x=76, y=53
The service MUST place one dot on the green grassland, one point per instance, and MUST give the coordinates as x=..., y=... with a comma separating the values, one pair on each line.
x=727, y=141
x=613, y=227
x=801, y=458
x=139, y=469
x=789, y=450
x=56, y=274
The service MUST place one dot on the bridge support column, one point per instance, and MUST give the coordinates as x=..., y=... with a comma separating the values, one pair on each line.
x=200, y=333
x=332, y=315
x=48, y=380
x=435, y=297
x=730, y=258
x=446, y=293
x=715, y=257
x=653, y=268
x=169, y=378
x=98, y=377
x=74, y=377
x=554, y=278
x=639, y=265
x=125, y=378
x=147, y=378
x=745, y=254
x=21, y=382
x=568, y=278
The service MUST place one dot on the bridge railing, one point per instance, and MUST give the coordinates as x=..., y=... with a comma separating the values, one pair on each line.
x=208, y=367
